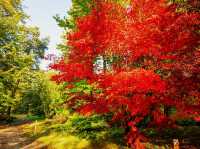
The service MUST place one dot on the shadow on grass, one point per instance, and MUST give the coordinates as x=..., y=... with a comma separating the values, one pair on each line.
x=188, y=136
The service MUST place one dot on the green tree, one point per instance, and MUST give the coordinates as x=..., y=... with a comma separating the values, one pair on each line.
x=20, y=51
x=38, y=95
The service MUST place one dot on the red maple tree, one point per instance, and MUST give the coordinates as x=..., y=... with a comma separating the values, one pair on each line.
x=154, y=58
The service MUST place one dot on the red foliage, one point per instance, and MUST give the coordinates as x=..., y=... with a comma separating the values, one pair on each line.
x=150, y=35
x=71, y=72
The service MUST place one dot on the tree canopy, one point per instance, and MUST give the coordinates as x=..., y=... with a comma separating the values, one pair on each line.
x=149, y=57
x=20, y=51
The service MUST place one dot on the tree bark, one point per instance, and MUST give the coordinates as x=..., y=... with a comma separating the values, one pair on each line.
x=9, y=113
x=167, y=110
x=104, y=64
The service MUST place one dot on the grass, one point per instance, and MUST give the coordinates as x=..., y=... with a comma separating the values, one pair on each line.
x=45, y=131
x=25, y=117
x=34, y=117
x=61, y=141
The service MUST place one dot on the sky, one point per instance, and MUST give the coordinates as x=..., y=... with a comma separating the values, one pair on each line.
x=41, y=14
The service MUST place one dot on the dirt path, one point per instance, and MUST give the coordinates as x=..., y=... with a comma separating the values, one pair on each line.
x=12, y=137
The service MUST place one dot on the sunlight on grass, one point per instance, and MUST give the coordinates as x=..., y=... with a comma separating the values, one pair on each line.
x=62, y=140
x=36, y=129
x=57, y=141
x=45, y=133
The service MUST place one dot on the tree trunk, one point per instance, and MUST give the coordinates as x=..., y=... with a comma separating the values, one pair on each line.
x=13, y=94
x=104, y=64
x=8, y=113
x=167, y=110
